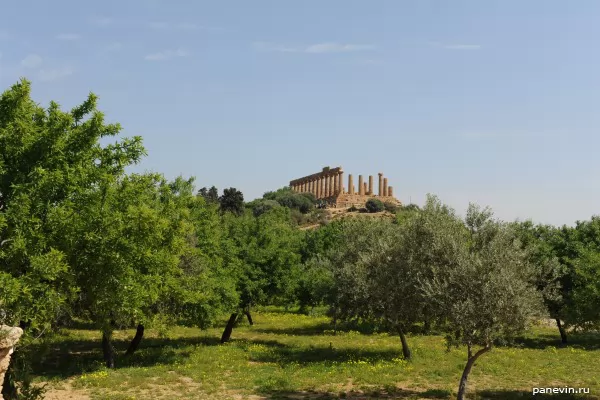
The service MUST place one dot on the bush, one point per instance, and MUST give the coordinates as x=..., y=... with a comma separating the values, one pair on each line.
x=374, y=205
x=304, y=202
x=260, y=207
x=391, y=207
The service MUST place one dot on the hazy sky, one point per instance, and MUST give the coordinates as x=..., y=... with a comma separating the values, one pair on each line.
x=495, y=102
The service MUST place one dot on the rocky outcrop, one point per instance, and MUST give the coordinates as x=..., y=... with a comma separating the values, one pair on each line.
x=9, y=337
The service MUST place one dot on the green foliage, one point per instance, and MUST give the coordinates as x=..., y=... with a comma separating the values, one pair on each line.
x=414, y=255
x=539, y=241
x=264, y=256
x=406, y=213
x=303, y=202
x=566, y=259
x=584, y=309
x=48, y=158
x=261, y=206
x=123, y=241
x=210, y=195
x=232, y=200
x=390, y=207
x=203, y=288
x=487, y=294
x=350, y=247
x=374, y=205
x=315, y=284
x=320, y=241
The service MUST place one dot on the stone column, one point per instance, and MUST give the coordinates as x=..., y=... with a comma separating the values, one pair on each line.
x=390, y=191
x=326, y=192
x=8, y=339
x=365, y=187
x=370, y=191
x=361, y=187
x=317, y=188
x=341, y=179
x=331, y=186
x=322, y=187
x=350, y=184
x=380, y=184
x=385, y=187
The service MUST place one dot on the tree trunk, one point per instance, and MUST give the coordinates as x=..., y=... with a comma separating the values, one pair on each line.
x=405, y=349
x=335, y=321
x=108, y=350
x=9, y=388
x=139, y=334
x=563, y=333
x=249, y=316
x=229, y=328
x=462, y=387
x=426, y=327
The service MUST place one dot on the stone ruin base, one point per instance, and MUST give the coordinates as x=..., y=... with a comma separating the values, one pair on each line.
x=9, y=337
x=357, y=200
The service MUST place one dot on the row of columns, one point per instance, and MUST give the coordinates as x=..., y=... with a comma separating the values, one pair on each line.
x=363, y=189
x=322, y=186
x=326, y=185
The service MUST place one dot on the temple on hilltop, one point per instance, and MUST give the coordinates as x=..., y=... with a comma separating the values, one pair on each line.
x=328, y=186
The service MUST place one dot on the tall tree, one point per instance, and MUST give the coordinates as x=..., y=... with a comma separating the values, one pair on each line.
x=552, y=277
x=265, y=259
x=232, y=200
x=424, y=246
x=487, y=294
x=48, y=157
x=124, y=241
x=210, y=195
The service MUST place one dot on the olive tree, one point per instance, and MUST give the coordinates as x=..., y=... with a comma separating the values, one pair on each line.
x=415, y=252
x=373, y=277
x=487, y=294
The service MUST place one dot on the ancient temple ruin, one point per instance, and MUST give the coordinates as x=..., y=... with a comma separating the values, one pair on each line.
x=328, y=186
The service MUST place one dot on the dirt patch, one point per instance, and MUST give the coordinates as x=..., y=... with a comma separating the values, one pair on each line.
x=66, y=392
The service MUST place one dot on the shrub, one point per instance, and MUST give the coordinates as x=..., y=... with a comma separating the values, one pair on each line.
x=391, y=207
x=262, y=206
x=374, y=205
x=305, y=202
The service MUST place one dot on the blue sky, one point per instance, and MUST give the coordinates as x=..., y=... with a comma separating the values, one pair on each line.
x=494, y=102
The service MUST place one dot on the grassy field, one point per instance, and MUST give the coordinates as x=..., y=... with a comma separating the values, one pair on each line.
x=291, y=356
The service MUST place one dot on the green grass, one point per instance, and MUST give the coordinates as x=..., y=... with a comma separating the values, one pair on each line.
x=291, y=356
